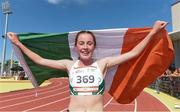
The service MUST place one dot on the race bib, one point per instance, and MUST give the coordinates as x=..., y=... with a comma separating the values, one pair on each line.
x=85, y=79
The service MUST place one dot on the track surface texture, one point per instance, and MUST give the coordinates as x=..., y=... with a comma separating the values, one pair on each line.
x=55, y=97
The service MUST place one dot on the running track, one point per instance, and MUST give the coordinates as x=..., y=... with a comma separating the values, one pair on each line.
x=55, y=97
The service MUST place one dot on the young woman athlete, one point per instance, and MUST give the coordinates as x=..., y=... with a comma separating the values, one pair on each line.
x=86, y=76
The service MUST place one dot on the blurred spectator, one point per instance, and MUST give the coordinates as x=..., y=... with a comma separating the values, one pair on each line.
x=157, y=87
x=157, y=84
x=172, y=68
x=21, y=75
x=172, y=84
x=169, y=83
x=4, y=74
x=177, y=72
x=167, y=72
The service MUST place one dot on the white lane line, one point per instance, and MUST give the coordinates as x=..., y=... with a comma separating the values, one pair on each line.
x=31, y=91
x=45, y=97
x=45, y=104
x=135, y=105
x=64, y=110
x=34, y=90
x=108, y=102
x=33, y=94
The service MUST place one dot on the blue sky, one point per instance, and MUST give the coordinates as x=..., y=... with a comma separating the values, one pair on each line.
x=50, y=16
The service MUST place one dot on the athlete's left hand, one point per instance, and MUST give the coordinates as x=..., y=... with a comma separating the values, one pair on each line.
x=159, y=25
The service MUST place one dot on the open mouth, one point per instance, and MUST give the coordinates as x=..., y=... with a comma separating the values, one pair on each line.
x=85, y=53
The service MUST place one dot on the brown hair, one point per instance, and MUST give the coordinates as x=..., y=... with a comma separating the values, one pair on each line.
x=82, y=32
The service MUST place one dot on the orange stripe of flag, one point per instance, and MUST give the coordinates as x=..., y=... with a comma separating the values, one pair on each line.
x=133, y=76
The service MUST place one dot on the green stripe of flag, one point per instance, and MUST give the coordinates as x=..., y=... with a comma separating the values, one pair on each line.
x=51, y=46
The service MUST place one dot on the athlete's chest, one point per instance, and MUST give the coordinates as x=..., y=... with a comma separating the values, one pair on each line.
x=89, y=76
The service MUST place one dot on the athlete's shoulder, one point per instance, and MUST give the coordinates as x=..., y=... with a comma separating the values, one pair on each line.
x=102, y=61
x=102, y=65
x=70, y=63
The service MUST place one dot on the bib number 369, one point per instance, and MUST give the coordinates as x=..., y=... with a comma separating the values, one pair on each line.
x=85, y=79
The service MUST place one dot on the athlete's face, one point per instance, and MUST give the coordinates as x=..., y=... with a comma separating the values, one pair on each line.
x=85, y=46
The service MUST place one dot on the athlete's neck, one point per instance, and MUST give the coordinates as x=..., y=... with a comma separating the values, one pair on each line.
x=84, y=63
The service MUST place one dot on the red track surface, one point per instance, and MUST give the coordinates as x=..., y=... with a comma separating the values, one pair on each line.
x=55, y=97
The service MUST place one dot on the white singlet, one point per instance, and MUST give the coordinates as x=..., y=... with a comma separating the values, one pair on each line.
x=86, y=80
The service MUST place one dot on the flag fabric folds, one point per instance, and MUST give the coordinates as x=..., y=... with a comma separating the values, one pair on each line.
x=124, y=82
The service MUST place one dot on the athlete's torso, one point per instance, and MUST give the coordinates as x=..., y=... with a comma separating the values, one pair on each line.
x=86, y=81
x=86, y=87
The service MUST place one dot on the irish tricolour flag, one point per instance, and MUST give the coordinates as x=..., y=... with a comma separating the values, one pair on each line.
x=124, y=82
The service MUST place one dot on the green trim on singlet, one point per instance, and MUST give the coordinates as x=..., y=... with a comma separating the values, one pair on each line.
x=99, y=92
x=72, y=92
x=101, y=89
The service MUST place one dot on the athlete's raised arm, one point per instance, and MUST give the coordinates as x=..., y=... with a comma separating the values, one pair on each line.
x=56, y=64
x=111, y=61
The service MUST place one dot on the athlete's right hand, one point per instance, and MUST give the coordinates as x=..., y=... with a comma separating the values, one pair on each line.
x=13, y=38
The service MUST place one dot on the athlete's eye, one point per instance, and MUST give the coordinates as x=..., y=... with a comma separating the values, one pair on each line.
x=90, y=43
x=81, y=43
